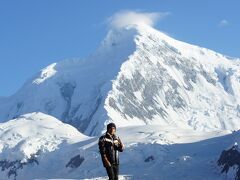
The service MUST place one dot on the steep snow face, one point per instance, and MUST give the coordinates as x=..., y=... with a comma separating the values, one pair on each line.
x=137, y=76
x=167, y=82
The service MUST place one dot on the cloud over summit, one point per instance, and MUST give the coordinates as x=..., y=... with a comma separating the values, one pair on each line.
x=125, y=18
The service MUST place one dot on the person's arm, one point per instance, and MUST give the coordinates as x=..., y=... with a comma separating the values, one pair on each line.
x=102, y=150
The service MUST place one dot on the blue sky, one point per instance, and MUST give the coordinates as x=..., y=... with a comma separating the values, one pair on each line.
x=36, y=33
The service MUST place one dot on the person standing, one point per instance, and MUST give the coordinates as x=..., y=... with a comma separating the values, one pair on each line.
x=109, y=146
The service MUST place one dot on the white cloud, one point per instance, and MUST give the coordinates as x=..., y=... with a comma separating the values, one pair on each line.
x=125, y=18
x=223, y=23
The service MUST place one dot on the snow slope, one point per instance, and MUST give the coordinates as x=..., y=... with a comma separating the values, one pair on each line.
x=38, y=146
x=46, y=132
x=23, y=139
x=137, y=76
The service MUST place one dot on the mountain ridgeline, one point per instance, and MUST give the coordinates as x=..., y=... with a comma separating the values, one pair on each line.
x=137, y=76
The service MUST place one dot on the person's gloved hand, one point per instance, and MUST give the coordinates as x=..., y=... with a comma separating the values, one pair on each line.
x=120, y=143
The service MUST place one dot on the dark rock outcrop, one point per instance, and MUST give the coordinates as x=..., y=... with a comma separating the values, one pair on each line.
x=230, y=159
x=75, y=162
x=13, y=166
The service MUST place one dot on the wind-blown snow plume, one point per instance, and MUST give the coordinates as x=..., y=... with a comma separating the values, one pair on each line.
x=125, y=18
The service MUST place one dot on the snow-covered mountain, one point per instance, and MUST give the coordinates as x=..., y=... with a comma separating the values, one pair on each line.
x=176, y=107
x=137, y=76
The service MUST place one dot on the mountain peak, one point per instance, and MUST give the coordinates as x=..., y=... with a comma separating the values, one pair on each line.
x=137, y=76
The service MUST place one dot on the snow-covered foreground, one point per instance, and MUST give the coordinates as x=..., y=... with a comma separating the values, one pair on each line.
x=121, y=177
x=49, y=149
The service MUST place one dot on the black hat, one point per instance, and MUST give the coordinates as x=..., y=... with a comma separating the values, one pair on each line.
x=110, y=125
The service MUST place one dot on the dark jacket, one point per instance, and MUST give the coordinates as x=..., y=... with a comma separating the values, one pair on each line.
x=109, y=147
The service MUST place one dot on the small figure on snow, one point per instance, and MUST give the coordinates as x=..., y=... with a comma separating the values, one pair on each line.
x=109, y=145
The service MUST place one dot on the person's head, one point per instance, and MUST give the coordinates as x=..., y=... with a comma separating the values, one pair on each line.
x=111, y=128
